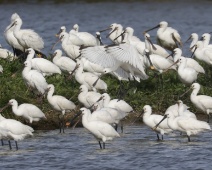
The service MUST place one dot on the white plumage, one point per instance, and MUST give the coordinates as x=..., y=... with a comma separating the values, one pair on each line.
x=101, y=131
x=34, y=79
x=28, y=111
x=42, y=65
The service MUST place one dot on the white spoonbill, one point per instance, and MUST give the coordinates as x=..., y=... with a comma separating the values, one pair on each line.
x=173, y=109
x=6, y=54
x=201, y=102
x=34, y=79
x=187, y=75
x=102, y=131
x=206, y=40
x=27, y=38
x=92, y=81
x=97, y=55
x=88, y=98
x=167, y=37
x=158, y=62
x=71, y=50
x=10, y=38
x=112, y=34
x=202, y=53
x=59, y=103
x=151, y=120
x=42, y=65
x=16, y=130
x=129, y=59
x=116, y=103
x=87, y=38
x=183, y=124
x=28, y=111
x=194, y=38
x=64, y=63
x=182, y=111
x=154, y=48
x=190, y=62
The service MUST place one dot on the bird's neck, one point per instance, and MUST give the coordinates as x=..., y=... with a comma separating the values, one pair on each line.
x=180, y=110
x=50, y=94
x=194, y=92
x=85, y=119
x=15, y=109
x=26, y=70
x=106, y=102
x=30, y=57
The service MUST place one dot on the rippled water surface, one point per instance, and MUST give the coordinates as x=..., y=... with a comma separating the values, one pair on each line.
x=137, y=148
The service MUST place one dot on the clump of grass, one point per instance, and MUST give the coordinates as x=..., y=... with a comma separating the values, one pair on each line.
x=136, y=94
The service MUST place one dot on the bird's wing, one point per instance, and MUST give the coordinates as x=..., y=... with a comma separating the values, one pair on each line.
x=208, y=54
x=44, y=65
x=205, y=101
x=99, y=56
x=31, y=110
x=38, y=80
x=106, y=129
x=74, y=39
x=32, y=39
x=126, y=53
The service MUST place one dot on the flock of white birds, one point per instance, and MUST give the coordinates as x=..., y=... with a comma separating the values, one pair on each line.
x=87, y=59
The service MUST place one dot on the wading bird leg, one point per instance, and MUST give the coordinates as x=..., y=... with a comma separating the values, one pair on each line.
x=100, y=145
x=63, y=123
x=158, y=137
x=10, y=145
x=60, y=126
x=122, y=127
x=16, y=144
x=2, y=142
x=103, y=145
x=189, y=140
x=76, y=123
x=208, y=118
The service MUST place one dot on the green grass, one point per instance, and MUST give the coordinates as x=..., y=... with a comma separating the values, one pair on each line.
x=139, y=94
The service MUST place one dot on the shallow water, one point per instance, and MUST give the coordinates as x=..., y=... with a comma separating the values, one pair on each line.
x=137, y=148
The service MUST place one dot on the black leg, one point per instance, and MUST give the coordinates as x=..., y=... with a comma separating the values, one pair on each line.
x=16, y=144
x=116, y=127
x=208, y=117
x=103, y=145
x=122, y=127
x=10, y=145
x=63, y=124
x=2, y=142
x=100, y=145
x=162, y=137
x=189, y=140
x=158, y=137
x=59, y=123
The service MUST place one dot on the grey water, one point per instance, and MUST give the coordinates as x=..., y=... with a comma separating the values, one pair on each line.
x=137, y=148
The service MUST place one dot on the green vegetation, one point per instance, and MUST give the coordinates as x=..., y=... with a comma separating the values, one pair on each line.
x=148, y=92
